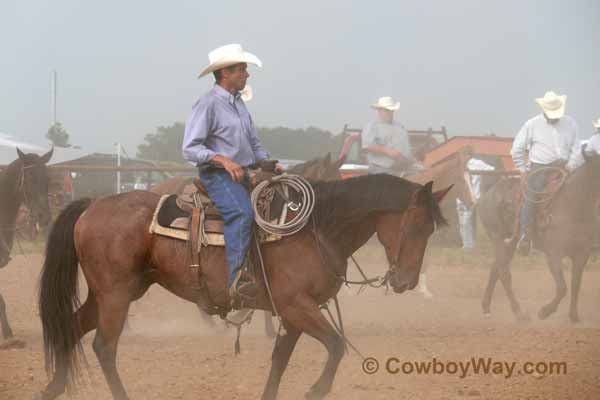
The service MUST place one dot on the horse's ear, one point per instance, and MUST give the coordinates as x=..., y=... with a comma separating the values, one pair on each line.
x=21, y=154
x=440, y=194
x=327, y=158
x=46, y=157
x=428, y=187
x=422, y=196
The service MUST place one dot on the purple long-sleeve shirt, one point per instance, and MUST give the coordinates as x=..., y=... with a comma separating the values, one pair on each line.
x=221, y=124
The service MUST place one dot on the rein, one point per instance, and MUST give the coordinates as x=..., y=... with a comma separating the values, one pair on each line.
x=372, y=282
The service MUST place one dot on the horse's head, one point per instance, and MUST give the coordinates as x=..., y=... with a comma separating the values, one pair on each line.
x=35, y=185
x=405, y=235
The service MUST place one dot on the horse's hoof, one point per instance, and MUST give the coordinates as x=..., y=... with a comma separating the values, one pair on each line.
x=544, y=312
x=487, y=314
x=314, y=394
x=523, y=317
x=574, y=318
x=10, y=344
x=486, y=309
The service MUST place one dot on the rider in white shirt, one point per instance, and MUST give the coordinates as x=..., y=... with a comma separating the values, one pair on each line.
x=549, y=139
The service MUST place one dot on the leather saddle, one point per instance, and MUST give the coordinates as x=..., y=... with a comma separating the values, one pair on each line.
x=177, y=211
x=174, y=215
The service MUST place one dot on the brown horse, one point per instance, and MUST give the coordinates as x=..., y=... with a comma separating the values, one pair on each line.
x=317, y=169
x=24, y=181
x=568, y=233
x=120, y=259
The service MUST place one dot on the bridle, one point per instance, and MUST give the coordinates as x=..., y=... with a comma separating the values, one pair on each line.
x=394, y=263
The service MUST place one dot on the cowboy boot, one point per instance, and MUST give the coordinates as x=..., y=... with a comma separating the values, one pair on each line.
x=243, y=290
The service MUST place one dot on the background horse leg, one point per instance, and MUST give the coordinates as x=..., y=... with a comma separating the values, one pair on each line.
x=489, y=289
x=501, y=270
x=7, y=333
x=113, y=308
x=423, y=289
x=87, y=319
x=579, y=262
x=506, y=279
x=269, y=327
x=284, y=346
x=555, y=265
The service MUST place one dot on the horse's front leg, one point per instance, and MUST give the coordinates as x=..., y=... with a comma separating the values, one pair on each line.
x=555, y=265
x=307, y=316
x=284, y=346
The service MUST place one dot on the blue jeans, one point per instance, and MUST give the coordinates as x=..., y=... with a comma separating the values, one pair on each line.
x=233, y=202
x=535, y=183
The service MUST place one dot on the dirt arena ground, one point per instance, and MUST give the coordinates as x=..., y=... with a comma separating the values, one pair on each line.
x=168, y=352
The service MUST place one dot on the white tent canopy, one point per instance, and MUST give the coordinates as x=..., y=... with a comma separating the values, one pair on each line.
x=9, y=144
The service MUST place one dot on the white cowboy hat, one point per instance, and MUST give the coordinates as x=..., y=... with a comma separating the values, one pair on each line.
x=246, y=93
x=552, y=104
x=228, y=55
x=596, y=123
x=386, y=103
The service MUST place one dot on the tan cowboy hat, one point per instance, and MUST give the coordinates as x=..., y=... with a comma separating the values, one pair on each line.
x=386, y=103
x=552, y=104
x=247, y=93
x=228, y=55
x=596, y=123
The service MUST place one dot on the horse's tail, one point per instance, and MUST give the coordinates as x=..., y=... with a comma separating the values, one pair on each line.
x=59, y=297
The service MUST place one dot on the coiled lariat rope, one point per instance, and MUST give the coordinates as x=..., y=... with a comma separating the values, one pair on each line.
x=545, y=196
x=302, y=209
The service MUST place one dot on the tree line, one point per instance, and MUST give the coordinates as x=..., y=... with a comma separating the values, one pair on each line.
x=164, y=144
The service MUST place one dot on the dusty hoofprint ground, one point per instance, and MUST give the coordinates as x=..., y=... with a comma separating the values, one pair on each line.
x=169, y=353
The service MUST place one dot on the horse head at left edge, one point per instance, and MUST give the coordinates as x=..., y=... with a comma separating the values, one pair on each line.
x=33, y=185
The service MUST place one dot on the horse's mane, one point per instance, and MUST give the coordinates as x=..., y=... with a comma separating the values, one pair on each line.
x=360, y=196
x=299, y=168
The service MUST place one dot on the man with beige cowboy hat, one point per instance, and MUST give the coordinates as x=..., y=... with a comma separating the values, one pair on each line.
x=221, y=140
x=386, y=141
x=548, y=139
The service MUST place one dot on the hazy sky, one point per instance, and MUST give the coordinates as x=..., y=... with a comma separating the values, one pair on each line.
x=125, y=67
